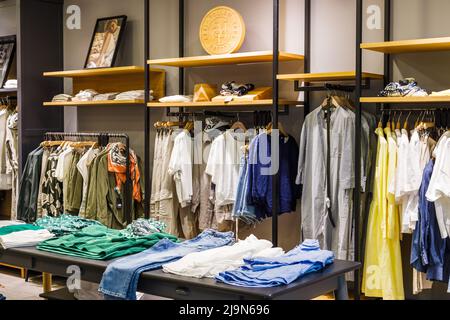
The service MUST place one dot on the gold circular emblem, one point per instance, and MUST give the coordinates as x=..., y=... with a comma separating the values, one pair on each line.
x=222, y=31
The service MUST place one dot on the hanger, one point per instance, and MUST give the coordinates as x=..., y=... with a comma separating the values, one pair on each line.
x=269, y=129
x=399, y=125
x=380, y=123
x=238, y=125
x=405, y=126
x=189, y=126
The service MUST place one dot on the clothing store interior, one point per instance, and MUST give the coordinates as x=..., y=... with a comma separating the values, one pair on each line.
x=224, y=150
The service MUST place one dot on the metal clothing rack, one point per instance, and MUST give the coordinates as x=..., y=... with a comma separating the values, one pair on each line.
x=182, y=114
x=103, y=140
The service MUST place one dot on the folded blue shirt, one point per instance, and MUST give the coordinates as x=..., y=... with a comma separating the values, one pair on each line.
x=120, y=280
x=271, y=272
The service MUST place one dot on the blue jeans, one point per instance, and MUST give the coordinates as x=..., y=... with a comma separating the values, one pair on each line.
x=242, y=210
x=121, y=278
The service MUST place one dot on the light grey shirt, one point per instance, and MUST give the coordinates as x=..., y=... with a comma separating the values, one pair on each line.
x=312, y=175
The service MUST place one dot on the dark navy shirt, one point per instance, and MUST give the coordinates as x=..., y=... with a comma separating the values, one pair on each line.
x=429, y=253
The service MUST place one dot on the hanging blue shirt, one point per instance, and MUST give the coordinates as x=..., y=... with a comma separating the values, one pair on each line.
x=429, y=250
x=272, y=272
x=259, y=184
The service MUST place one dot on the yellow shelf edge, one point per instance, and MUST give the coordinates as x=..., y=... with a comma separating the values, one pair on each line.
x=233, y=58
x=93, y=103
x=328, y=76
x=99, y=72
x=406, y=46
x=404, y=99
x=221, y=104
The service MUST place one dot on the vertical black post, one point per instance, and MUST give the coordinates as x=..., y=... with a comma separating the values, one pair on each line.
x=275, y=153
x=181, y=87
x=358, y=133
x=128, y=198
x=387, y=37
x=148, y=172
x=307, y=107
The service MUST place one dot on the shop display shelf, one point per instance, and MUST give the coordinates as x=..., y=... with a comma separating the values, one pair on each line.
x=327, y=76
x=409, y=46
x=410, y=100
x=94, y=103
x=255, y=103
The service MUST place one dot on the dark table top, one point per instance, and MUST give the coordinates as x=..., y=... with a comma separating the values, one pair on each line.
x=338, y=268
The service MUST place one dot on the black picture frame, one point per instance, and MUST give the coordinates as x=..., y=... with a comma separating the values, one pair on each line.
x=99, y=28
x=7, y=53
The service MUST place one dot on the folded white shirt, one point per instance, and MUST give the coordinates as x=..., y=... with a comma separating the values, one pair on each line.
x=10, y=84
x=209, y=263
x=85, y=95
x=176, y=98
x=6, y=223
x=133, y=95
x=28, y=238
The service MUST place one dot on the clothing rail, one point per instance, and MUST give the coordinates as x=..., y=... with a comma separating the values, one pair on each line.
x=225, y=114
x=103, y=139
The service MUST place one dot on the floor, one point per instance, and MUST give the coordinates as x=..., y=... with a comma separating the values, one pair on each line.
x=13, y=287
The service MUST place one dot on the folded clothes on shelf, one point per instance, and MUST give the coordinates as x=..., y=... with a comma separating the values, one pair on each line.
x=27, y=238
x=133, y=95
x=209, y=263
x=106, y=96
x=10, y=84
x=100, y=243
x=120, y=279
x=85, y=95
x=62, y=98
x=176, y=99
x=444, y=93
x=271, y=272
x=404, y=88
x=232, y=88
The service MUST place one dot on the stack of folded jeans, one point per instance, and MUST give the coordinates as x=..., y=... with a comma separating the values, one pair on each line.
x=121, y=278
x=272, y=272
x=404, y=88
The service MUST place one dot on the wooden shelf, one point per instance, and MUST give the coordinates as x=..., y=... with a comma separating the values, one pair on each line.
x=99, y=72
x=94, y=103
x=405, y=100
x=268, y=102
x=408, y=46
x=118, y=79
x=226, y=59
x=8, y=90
x=327, y=76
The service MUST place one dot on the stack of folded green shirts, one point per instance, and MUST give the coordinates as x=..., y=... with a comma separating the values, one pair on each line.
x=65, y=224
x=17, y=228
x=100, y=243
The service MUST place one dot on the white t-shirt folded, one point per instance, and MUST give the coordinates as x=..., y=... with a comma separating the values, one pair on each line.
x=28, y=238
x=209, y=263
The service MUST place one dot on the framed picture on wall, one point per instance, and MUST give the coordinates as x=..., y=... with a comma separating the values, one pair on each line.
x=105, y=42
x=7, y=51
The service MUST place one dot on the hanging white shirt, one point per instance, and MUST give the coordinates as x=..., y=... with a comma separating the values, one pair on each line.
x=180, y=167
x=224, y=164
x=209, y=263
x=438, y=189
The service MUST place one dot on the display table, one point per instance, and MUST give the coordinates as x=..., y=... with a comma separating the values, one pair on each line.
x=158, y=283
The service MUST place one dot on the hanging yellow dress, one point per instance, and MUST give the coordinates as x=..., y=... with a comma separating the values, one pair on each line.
x=382, y=274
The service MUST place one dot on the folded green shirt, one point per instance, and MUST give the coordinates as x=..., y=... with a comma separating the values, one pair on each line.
x=101, y=243
x=16, y=228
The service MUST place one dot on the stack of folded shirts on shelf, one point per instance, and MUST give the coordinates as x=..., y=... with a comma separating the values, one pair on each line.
x=106, y=96
x=85, y=95
x=176, y=99
x=11, y=84
x=133, y=95
x=403, y=88
x=62, y=98
x=445, y=93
